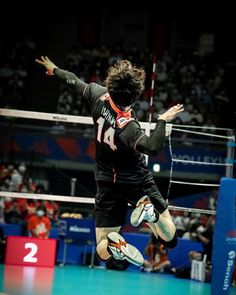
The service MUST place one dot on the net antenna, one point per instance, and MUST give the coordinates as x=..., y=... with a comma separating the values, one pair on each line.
x=153, y=78
x=168, y=129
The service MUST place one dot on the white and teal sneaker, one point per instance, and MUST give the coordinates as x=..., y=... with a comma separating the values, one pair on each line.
x=121, y=250
x=144, y=211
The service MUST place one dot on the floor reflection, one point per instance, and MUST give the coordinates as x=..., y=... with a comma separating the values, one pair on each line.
x=27, y=280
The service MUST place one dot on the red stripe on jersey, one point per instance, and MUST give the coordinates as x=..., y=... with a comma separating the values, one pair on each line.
x=114, y=107
x=123, y=117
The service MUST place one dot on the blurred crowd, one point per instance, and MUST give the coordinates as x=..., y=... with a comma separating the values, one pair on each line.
x=197, y=81
x=185, y=77
x=15, y=69
x=20, y=210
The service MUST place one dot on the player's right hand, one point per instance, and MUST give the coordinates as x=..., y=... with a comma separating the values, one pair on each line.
x=48, y=64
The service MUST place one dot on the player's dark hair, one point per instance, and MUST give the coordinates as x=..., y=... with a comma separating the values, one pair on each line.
x=124, y=82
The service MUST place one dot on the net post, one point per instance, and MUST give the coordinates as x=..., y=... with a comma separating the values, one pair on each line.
x=231, y=144
x=224, y=238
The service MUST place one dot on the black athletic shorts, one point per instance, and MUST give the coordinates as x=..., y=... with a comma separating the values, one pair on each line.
x=111, y=204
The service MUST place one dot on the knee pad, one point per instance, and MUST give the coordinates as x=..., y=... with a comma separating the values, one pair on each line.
x=170, y=244
x=105, y=260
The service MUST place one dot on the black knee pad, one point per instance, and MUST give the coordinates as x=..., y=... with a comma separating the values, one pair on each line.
x=170, y=244
x=105, y=260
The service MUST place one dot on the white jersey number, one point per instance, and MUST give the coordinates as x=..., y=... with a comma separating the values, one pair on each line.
x=33, y=250
x=109, y=134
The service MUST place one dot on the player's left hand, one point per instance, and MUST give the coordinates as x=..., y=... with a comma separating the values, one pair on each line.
x=171, y=113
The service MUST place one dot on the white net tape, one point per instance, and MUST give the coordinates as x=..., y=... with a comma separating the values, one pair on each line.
x=84, y=200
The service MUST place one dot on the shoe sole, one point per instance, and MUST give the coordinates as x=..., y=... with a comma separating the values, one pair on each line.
x=137, y=215
x=118, y=245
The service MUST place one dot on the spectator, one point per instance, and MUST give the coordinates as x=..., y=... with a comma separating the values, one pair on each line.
x=52, y=211
x=31, y=207
x=158, y=260
x=181, y=222
x=206, y=237
x=12, y=211
x=212, y=203
x=39, y=225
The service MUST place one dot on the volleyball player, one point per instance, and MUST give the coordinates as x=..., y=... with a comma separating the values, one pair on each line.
x=121, y=171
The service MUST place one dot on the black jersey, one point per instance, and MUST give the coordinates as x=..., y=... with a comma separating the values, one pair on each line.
x=120, y=141
x=117, y=133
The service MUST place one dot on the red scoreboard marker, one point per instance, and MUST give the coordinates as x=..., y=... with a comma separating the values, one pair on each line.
x=30, y=251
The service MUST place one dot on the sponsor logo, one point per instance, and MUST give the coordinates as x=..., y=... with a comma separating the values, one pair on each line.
x=199, y=158
x=77, y=229
x=123, y=120
x=231, y=237
x=231, y=255
x=60, y=118
x=229, y=266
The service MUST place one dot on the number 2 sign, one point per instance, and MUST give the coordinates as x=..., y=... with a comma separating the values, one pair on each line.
x=30, y=257
x=30, y=251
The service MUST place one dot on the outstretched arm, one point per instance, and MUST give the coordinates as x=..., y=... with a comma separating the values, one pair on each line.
x=68, y=77
x=151, y=145
x=134, y=137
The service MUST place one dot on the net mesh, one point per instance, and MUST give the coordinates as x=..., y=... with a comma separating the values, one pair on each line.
x=57, y=152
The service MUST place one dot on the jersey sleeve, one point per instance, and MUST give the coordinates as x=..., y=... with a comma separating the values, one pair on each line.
x=135, y=138
x=93, y=92
x=71, y=79
x=131, y=133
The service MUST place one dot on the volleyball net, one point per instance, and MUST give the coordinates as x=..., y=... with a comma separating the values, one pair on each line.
x=58, y=153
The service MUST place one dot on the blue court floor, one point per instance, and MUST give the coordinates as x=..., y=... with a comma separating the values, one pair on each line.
x=71, y=279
